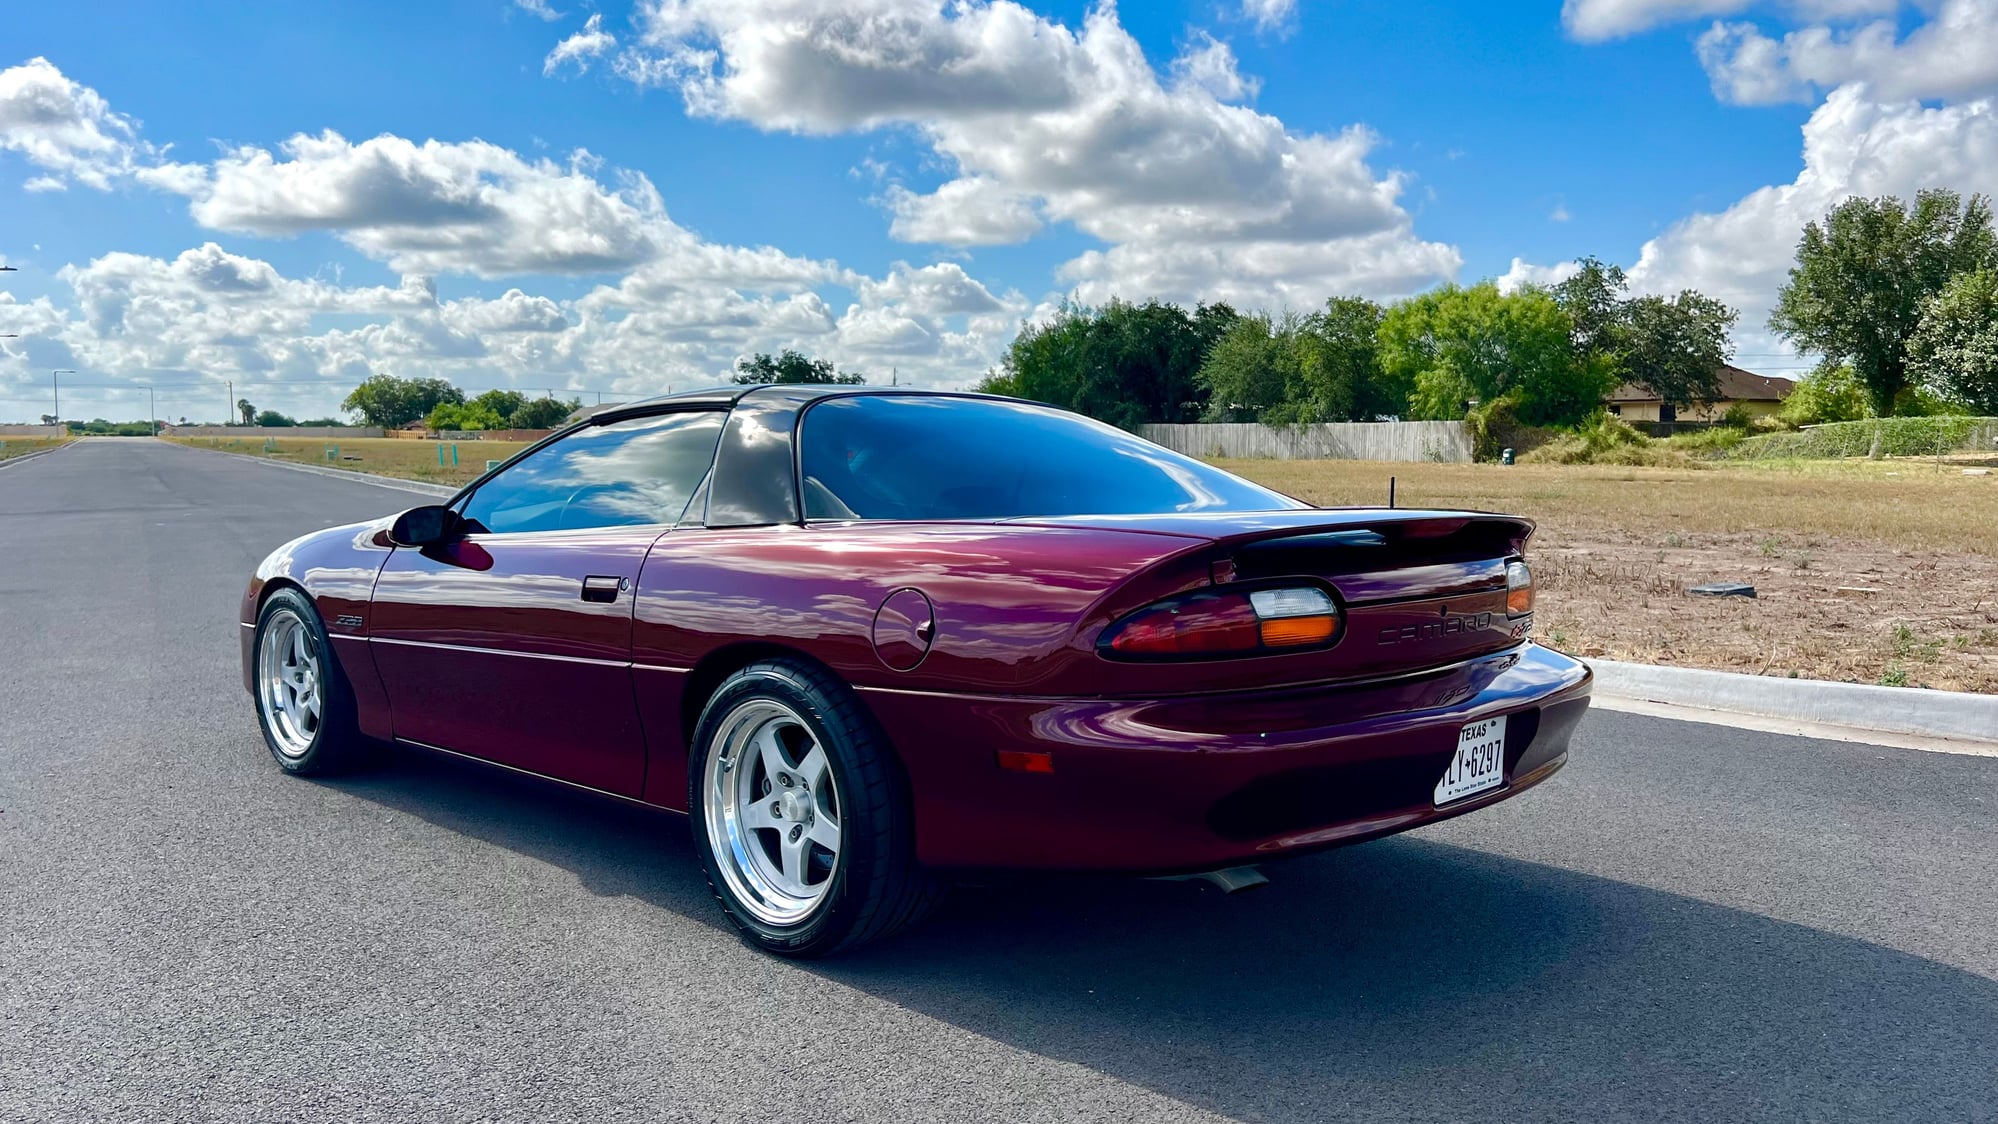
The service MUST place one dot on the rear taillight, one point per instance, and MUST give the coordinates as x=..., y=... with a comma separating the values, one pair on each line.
x=1226, y=623
x=1518, y=589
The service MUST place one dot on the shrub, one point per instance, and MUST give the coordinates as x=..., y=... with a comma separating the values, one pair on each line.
x=1605, y=439
x=1495, y=426
x=1881, y=437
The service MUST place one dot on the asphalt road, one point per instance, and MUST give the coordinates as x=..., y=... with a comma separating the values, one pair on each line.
x=1691, y=922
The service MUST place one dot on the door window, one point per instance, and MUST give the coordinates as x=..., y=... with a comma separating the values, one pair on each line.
x=632, y=472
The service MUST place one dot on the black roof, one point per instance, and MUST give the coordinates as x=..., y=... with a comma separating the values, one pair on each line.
x=797, y=394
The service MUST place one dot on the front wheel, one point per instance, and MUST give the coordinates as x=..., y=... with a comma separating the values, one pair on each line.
x=303, y=703
x=804, y=828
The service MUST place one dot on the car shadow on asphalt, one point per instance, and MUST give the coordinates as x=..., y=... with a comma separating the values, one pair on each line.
x=1403, y=979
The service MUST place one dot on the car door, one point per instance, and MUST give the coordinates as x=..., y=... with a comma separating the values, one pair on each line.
x=512, y=642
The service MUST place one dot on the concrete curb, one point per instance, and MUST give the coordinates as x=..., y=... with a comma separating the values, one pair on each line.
x=25, y=457
x=397, y=483
x=1861, y=706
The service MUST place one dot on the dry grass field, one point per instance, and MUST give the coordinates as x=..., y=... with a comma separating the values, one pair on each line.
x=1876, y=572
x=22, y=446
x=386, y=456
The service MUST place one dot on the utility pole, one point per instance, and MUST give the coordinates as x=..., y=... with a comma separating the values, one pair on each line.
x=231, y=411
x=55, y=380
x=152, y=415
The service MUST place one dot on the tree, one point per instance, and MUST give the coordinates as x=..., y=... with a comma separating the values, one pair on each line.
x=463, y=416
x=1832, y=393
x=1245, y=371
x=1593, y=298
x=1338, y=367
x=1865, y=275
x=329, y=423
x=389, y=402
x=1674, y=347
x=50, y=419
x=1455, y=346
x=1953, y=352
x=791, y=368
x=1316, y=368
x=544, y=413
x=272, y=417
x=248, y=411
x=1126, y=364
x=502, y=404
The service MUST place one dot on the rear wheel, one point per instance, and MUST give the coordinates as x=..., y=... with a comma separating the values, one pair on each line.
x=804, y=828
x=303, y=704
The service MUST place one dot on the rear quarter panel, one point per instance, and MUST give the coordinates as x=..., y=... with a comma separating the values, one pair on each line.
x=1005, y=601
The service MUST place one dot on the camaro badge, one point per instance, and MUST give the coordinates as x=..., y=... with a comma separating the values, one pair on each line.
x=1448, y=626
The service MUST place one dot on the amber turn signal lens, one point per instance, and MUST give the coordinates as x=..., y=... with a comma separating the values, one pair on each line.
x=1518, y=589
x=1289, y=631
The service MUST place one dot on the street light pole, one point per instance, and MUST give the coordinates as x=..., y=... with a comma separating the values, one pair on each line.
x=55, y=380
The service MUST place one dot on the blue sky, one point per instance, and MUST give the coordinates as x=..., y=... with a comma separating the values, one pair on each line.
x=900, y=183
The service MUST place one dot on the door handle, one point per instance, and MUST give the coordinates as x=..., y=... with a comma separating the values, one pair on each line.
x=602, y=588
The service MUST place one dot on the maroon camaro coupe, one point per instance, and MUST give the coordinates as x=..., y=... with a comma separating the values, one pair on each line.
x=866, y=637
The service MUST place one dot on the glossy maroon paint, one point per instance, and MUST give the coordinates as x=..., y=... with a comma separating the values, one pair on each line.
x=486, y=648
x=964, y=639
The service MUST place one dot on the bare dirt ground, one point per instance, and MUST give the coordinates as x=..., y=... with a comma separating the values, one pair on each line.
x=1880, y=572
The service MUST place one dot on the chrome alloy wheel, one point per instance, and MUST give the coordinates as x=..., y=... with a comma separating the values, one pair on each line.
x=290, y=683
x=772, y=812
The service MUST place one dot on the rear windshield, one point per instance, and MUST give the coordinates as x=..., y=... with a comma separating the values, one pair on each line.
x=926, y=457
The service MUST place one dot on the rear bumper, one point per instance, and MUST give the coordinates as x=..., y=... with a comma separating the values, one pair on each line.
x=1215, y=780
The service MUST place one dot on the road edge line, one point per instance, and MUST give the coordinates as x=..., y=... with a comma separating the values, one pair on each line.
x=378, y=480
x=1913, y=712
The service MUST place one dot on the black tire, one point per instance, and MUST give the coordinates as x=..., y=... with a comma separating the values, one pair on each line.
x=333, y=744
x=876, y=886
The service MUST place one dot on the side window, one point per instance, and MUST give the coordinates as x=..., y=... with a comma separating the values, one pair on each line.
x=627, y=473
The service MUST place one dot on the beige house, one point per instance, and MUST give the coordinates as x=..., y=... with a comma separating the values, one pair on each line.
x=1759, y=394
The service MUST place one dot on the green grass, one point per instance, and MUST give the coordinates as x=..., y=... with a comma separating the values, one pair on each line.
x=11, y=447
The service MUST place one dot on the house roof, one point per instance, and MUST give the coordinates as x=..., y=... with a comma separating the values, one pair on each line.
x=1736, y=385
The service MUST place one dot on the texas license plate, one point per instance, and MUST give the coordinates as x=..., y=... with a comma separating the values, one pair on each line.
x=1479, y=763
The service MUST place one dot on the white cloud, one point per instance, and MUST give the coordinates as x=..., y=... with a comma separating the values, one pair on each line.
x=1853, y=145
x=437, y=207
x=64, y=127
x=1952, y=55
x=579, y=49
x=538, y=8
x=1559, y=213
x=1195, y=195
x=972, y=211
x=1523, y=273
x=1591, y=20
x=680, y=311
x=1209, y=64
x=297, y=345
x=1270, y=15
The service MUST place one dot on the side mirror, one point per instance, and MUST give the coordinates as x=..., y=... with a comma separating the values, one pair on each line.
x=424, y=526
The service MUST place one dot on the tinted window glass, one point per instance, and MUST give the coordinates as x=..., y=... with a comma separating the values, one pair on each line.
x=626, y=473
x=909, y=457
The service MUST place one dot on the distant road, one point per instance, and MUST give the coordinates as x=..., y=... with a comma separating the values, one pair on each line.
x=1691, y=922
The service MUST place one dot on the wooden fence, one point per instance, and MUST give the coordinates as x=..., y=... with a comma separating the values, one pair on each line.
x=1357, y=441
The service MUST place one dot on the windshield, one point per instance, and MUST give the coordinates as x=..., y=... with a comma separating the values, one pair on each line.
x=934, y=457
